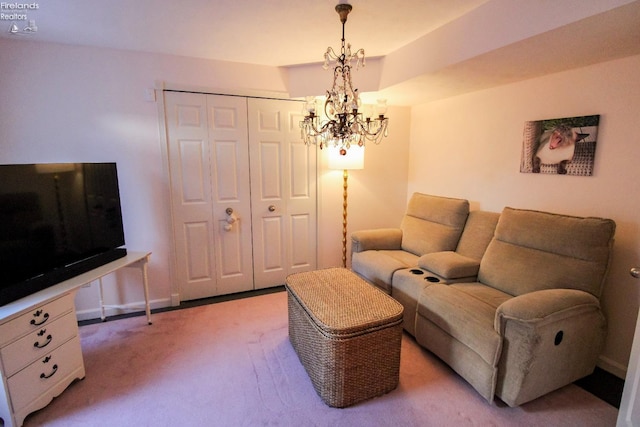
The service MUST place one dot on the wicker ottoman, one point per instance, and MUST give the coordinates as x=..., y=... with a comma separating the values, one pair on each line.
x=347, y=334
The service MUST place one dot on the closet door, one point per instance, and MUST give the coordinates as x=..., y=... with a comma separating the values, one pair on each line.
x=208, y=160
x=231, y=201
x=283, y=192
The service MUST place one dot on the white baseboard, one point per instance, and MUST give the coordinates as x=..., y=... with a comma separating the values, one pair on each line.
x=612, y=367
x=95, y=312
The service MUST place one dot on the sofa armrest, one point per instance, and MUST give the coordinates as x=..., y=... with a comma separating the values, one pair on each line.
x=544, y=306
x=550, y=338
x=378, y=239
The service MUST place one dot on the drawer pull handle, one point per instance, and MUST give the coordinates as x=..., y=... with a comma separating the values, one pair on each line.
x=38, y=345
x=45, y=317
x=45, y=376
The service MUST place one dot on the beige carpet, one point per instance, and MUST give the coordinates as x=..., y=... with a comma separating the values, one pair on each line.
x=231, y=364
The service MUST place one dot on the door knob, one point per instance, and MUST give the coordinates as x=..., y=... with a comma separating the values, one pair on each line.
x=635, y=272
x=231, y=218
x=272, y=208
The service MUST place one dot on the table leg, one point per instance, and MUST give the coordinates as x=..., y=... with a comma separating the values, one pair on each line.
x=103, y=317
x=145, y=283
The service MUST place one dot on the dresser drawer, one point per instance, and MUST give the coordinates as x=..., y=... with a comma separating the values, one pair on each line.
x=38, y=343
x=42, y=375
x=35, y=319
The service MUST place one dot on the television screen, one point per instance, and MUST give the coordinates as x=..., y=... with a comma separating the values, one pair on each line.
x=57, y=220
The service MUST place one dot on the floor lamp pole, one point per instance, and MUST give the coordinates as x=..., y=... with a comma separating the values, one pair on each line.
x=345, y=175
x=339, y=159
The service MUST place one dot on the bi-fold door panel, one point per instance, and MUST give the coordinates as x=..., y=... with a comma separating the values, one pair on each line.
x=302, y=204
x=269, y=211
x=283, y=195
x=208, y=160
x=231, y=192
x=188, y=151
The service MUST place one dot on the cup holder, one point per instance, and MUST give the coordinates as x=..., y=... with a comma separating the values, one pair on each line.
x=432, y=279
x=416, y=271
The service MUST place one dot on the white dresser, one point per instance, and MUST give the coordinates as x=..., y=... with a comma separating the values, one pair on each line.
x=40, y=353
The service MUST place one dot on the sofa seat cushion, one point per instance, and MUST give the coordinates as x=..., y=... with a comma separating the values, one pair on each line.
x=449, y=264
x=466, y=311
x=407, y=288
x=378, y=267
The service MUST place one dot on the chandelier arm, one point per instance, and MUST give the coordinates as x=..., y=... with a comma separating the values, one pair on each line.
x=313, y=127
x=328, y=107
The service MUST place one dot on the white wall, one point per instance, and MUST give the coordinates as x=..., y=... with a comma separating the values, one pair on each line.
x=73, y=104
x=469, y=146
x=76, y=104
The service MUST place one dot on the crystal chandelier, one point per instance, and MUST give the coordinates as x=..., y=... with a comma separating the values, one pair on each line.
x=345, y=124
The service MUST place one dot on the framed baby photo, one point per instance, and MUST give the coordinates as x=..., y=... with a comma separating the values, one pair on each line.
x=560, y=146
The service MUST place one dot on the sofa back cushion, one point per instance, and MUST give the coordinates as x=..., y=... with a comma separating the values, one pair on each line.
x=478, y=232
x=433, y=223
x=534, y=250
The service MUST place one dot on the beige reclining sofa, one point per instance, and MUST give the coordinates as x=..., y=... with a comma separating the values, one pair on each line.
x=529, y=321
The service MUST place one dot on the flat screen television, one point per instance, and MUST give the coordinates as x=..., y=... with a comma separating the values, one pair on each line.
x=57, y=220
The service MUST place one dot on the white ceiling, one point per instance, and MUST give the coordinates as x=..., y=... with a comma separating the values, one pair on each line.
x=287, y=32
x=267, y=32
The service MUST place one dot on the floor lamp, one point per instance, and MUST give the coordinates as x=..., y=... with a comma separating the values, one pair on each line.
x=353, y=159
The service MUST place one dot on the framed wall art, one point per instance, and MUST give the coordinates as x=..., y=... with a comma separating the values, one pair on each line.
x=560, y=146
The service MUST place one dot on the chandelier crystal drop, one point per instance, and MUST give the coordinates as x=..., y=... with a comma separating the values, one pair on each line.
x=347, y=120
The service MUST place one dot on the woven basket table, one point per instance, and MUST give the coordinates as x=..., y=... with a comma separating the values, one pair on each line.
x=347, y=334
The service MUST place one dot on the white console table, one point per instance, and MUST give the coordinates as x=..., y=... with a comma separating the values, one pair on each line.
x=133, y=259
x=40, y=353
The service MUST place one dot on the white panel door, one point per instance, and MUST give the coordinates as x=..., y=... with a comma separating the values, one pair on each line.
x=283, y=192
x=187, y=137
x=208, y=160
x=231, y=201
